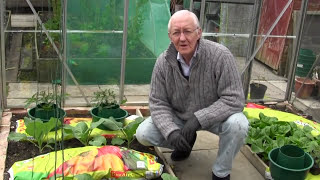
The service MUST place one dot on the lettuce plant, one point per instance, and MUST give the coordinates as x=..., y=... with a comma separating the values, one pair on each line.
x=267, y=133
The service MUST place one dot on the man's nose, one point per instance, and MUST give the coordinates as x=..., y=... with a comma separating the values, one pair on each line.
x=182, y=37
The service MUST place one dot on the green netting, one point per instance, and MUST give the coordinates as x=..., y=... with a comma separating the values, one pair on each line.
x=94, y=39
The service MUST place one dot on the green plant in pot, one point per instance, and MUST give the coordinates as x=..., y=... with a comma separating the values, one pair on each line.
x=107, y=106
x=46, y=106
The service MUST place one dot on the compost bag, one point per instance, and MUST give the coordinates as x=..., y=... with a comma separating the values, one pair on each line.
x=99, y=162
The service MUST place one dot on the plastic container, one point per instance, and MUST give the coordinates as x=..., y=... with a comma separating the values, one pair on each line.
x=119, y=115
x=257, y=90
x=44, y=115
x=291, y=157
x=306, y=59
x=280, y=173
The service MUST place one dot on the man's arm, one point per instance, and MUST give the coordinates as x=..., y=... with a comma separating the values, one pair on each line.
x=160, y=108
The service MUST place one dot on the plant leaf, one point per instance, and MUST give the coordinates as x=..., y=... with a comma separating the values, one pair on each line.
x=131, y=128
x=36, y=130
x=166, y=176
x=98, y=141
x=16, y=136
x=80, y=130
x=117, y=141
x=112, y=124
x=124, y=178
x=83, y=177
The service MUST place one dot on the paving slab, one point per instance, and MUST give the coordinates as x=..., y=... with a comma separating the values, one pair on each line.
x=199, y=164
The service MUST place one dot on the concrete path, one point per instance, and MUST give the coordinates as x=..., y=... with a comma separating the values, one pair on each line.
x=198, y=165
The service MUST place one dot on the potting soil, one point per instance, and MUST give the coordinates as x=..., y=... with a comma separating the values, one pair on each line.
x=99, y=162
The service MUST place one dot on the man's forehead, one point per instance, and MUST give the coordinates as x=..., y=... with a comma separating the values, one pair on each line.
x=182, y=22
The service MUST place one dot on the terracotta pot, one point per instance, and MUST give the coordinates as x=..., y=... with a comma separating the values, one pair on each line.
x=306, y=89
x=317, y=87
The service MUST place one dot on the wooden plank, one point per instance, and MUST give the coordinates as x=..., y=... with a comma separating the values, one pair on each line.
x=23, y=20
x=254, y=160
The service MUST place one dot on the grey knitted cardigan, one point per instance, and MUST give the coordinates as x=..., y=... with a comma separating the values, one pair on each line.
x=212, y=93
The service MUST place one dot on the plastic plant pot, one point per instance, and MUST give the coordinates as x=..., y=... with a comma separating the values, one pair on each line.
x=44, y=115
x=291, y=156
x=280, y=173
x=257, y=90
x=119, y=115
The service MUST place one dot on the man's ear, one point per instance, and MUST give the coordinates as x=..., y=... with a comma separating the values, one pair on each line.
x=170, y=37
x=199, y=33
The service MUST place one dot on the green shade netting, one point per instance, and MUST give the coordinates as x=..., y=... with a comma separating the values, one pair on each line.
x=94, y=39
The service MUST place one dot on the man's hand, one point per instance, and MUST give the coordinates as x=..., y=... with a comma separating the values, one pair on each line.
x=178, y=141
x=190, y=129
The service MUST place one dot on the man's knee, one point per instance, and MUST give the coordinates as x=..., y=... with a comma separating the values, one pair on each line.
x=141, y=135
x=238, y=125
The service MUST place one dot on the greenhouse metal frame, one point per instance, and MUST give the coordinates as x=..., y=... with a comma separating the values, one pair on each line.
x=245, y=72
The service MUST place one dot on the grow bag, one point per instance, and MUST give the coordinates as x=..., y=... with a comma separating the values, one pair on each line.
x=99, y=162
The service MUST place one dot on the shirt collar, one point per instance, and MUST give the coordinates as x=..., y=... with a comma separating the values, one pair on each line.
x=180, y=58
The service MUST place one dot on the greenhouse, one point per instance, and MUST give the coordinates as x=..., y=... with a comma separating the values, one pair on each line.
x=81, y=80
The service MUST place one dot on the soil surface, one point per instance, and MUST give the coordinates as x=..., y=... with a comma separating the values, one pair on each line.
x=18, y=151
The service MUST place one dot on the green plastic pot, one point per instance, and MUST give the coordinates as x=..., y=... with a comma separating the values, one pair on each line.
x=279, y=172
x=291, y=156
x=44, y=115
x=117, y=113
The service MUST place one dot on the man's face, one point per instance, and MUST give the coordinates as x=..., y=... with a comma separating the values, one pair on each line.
x=184, y=34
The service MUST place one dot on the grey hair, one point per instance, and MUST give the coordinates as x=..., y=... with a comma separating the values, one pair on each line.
x=185, y=12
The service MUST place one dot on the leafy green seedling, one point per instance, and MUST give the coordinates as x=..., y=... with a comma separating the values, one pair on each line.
x=82, y=132
x=45, y=100
x=128, y=131
x=39, y=131
x=166, y=176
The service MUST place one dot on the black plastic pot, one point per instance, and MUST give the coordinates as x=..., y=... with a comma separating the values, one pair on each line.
x=257, y=90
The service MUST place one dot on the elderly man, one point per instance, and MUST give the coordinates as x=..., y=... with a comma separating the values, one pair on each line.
x=195, y=86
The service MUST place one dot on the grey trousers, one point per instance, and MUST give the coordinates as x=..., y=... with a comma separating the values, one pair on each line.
x=232, y=133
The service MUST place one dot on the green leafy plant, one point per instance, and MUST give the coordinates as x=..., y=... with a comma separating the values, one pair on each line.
x=83, y=133
x=267, y=133
x=106, y=98
x=166, y=176
x=128, y=131
x=45, y=100
x=38, y=130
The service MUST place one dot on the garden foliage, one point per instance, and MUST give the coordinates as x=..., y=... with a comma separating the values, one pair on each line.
x=267, y=133
x=39, y=131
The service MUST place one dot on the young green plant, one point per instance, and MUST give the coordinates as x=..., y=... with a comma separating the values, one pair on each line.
x=83, y=133
x=128, y=131
x=45, y=100
x=38, y=130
